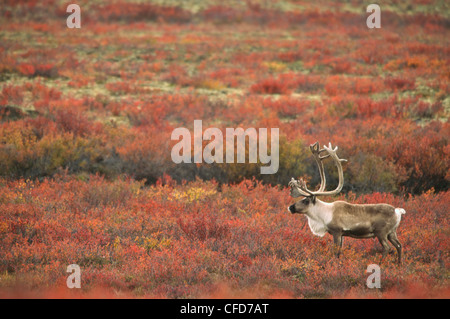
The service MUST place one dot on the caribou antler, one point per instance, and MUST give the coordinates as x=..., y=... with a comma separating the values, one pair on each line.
x=316, y=153
x=298, y=187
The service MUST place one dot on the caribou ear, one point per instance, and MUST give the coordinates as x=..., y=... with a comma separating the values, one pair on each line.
x=313, y=199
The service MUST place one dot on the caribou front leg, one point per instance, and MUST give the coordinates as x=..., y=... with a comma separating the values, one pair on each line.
x=337, y=238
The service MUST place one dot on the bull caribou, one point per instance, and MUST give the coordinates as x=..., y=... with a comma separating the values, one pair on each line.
x=340, y=218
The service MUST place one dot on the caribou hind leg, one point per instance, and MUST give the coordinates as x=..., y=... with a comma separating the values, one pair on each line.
x=384, y=243
x=392, y=237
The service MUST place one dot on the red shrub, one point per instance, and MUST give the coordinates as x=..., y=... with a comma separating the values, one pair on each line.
x=70, y=120
x=399, y=83
x=12, y=95
x=336, y=85
x=26, y=69
x=270, y=86
x=203, y=228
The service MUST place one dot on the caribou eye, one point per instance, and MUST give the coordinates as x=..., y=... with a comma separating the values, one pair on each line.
x=306, y=201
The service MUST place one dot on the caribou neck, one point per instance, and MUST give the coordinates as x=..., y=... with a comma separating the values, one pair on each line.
x=321, y=212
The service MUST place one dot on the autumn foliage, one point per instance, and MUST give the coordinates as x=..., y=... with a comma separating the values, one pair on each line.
x=160, y=241
x=86, y=117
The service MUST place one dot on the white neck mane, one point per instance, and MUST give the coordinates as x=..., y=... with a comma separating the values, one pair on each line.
x=319, y=216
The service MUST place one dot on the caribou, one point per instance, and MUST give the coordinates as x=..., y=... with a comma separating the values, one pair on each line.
x=340, y=218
